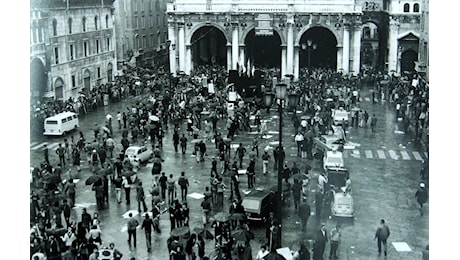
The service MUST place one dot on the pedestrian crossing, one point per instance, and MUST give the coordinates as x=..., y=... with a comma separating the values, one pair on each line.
x=380, y=154
x=39, y=146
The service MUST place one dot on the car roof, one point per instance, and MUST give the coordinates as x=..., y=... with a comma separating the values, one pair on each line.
x=337, y=169
x=336, y=154
x=134, y=147
x=257, y=194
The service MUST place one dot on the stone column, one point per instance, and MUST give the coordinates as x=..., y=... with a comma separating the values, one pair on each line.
x=296, y=62
x=172, y=49
x=283, y=60
x=290, y=50
x=181, y=46
x=339, y=58
x=188, y=59
x=242, y=57
x=229, y=56
x=393, y=45
x=356, y=48
x=235, y=46
x=346, y=49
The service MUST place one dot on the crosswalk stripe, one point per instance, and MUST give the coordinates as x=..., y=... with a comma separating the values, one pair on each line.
x=53, y=146
x=405, y=155
x=39, y=146
x=367, y=99
x=345, y=154
x=369, y=154
x=356, y=154
x=393, y=155
x=426, y=154
x=381, y=154
x=417, y=156
x=34, y=143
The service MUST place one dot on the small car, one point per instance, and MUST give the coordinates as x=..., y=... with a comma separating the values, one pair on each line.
x=258, y=203
x=339, y=116
x=327, y=143
x=138, y=154
x=342, y=205
x=333, y=158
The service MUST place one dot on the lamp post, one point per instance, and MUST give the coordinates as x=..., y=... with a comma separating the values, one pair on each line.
x=280, y=92
x=309, y=45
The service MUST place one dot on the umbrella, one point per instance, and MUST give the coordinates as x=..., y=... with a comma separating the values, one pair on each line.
x=222, y=217
x=305, y=117
x=304, y=123
x=180, y=231
x=274, y=256
x=329, y=99
x=52, y=179
x=238, y=216
x=128, y=173
x=195, y=141
x=299, y=176
x=205, y=113
x=105, y=129
x=138, y=83
x=227, y=140
x=242, y=235
x=206, y=234
x=92, y=179
x=108, y=116
x=154, y=118
x=356, y=109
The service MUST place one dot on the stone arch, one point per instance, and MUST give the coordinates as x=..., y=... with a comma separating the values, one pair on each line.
x=304, y=29
x=59, y=88
x=195, y=28
x=38, y=78
x=249, y=28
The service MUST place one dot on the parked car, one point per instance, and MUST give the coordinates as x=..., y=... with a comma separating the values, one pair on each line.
x=338, y=192
x=327, y=143
x=342, y=205
x=258, y=203
x=339, y=116
x=333, y=158
x=138, y=154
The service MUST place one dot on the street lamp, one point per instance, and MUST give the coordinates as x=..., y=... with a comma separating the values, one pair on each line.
x=280, y=93
x=309, y=45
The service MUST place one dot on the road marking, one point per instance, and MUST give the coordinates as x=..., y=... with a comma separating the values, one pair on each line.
x=417, y=156
x=381, y=154
x=34, y=143
x=393, y=155
x=356, y=154
x=405, y=155
x=367, y=99
x=38, y=146
x=369, y=154
x=345, y=154
x=426, y=154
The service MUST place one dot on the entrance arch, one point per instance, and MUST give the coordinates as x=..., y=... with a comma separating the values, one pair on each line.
x=263, y=51
x=208, y=46
x=38, y=79
x=87, y=80
x=59, y=89
x=109, y=72
x=370, y=45
x=408, y=59
x=318, y=49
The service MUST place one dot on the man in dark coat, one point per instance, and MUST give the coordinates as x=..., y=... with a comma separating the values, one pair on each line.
x=382, y=234
x=320, y=243
x=304, y=214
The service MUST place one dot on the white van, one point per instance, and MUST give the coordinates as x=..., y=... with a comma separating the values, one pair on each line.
x=61, y=124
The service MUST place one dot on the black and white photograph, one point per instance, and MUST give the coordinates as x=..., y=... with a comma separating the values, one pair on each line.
x=231, y=129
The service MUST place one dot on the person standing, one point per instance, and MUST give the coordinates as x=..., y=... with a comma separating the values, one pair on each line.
x=117, y=182
x=127, y=187
x=240, y=151
x=335, y=239
x=206, y=206
x=85, y=219
x=296, y=191
x=70, y=189
x=132, y=225
x=265, y=158
x=299, y=140
x=147, y=225
x=60, y=151
x=382, y=234
x=373, y=122
x=140, y=197
x=176, y=140
x=320, y=243
x=183, y=183
x=183, y=143
x=201, y=246
x=67, y=210
x=255, y=146
x=46, y=154
x=422, y=196
x=304, y=213
x=171, y=189
x=163, y=180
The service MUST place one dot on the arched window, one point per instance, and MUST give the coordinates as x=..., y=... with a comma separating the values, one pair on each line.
x=416, y=8
x=54, y=27
x=95, y=22
x=157, y=5
x=107, y=21
x=70, y=25
x=83, y=22
x=406, y=7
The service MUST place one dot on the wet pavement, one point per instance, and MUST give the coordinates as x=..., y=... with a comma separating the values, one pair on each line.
x=384, y=168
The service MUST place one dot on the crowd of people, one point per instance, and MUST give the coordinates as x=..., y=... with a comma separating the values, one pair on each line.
x=186, y=99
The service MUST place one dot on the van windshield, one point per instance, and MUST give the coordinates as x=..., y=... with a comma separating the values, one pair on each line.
x=51, y=122
x=251, y=204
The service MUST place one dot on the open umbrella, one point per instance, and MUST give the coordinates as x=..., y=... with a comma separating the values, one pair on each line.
x=108, y=116
x=238, y=216
x=222, y=217
x=154, y=118
x=195, y=141
x=105, y=129
x=92, y=179
x=180, y=231
x=206, y=234
x=242, y=235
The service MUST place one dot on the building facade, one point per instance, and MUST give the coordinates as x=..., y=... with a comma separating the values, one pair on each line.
x=72, y=47
x=344, y=35
x=141, y=27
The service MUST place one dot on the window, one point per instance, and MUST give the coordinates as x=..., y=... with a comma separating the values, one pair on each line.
x=367, y=32
x=83, y=22
x=70, y=25
x=406, y=7
x=143, y=22
x=74, y=83
x=108, y=44
x=98, y=72
x=95, y=23
x=144, y=41
x=157, y=5
x=63, y=120
x=85, y=48
x=54, y=27
x=107, y=21
x=97, y=46
x=71, y=52
x=135, y=6
x=416, y=8
x=56, y=55
x=135, y=22
x=158, y=20
x=151, y=21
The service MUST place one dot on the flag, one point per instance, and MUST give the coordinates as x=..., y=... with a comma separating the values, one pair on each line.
x=249, y=68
